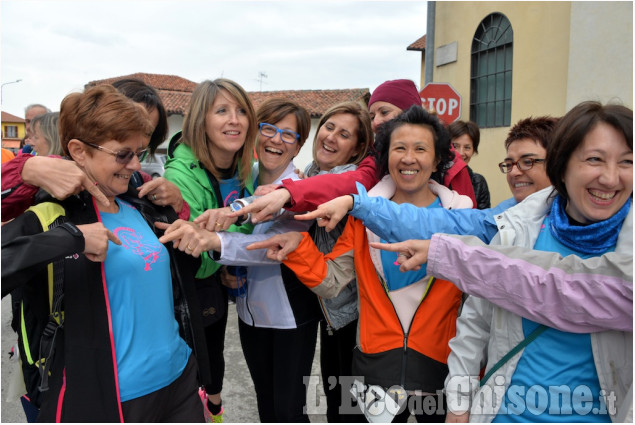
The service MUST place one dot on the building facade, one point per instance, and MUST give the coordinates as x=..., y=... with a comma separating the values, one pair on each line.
x=513, y=60
x=13, y=130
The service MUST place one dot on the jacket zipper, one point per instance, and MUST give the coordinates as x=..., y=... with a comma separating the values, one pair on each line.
x=329, y=325
x=404, y=362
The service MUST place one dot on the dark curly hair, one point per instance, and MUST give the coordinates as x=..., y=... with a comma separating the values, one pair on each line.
x=415, y=115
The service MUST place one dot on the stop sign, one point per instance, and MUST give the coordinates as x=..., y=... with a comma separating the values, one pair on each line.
x=443, y=99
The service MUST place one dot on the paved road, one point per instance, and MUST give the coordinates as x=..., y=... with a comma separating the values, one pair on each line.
x=238, y=394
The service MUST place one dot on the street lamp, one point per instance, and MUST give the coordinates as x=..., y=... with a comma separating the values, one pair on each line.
x=4, y=84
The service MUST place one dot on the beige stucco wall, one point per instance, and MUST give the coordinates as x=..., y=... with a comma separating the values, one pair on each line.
x=601, y=53
x=539, y=87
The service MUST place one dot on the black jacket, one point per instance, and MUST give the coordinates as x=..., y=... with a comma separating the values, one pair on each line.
x=481, y=191
x=82, y=382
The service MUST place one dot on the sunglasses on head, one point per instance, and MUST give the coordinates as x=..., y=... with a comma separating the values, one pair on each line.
x=123, y=156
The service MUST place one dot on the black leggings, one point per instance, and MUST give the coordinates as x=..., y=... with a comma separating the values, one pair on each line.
x=215, y=339
x=336, y=361
x=278, y=361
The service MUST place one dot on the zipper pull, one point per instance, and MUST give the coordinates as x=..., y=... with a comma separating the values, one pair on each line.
x=329, y=330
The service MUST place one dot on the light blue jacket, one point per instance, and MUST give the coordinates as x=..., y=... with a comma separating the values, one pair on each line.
x=396, y=223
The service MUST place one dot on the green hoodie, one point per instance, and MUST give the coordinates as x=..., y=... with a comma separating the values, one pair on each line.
x=183, y=169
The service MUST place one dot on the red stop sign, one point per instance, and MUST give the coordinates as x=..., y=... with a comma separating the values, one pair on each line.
x=443, y=99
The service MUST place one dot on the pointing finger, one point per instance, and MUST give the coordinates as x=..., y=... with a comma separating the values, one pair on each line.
x=114, y=238
x=93, y=188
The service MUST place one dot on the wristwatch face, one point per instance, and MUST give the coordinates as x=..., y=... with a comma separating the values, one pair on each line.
x=235, y=206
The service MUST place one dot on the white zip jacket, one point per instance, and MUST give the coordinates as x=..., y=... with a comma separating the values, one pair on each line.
x=266, y=304
x=485, y=332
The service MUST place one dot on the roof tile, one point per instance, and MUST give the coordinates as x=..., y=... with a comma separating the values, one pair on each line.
x=7, y=117
x=420, y=44
x=175, y=92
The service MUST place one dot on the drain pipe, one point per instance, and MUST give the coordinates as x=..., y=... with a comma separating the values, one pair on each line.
x=430, y=43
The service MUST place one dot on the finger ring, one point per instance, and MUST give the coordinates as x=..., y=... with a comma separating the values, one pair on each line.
x=154, y=197
x=403, y=254
x=189, y=248
x=218, y=224
x=319, y=218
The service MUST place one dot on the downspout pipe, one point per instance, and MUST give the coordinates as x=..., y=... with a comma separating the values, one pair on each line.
x=428, y=76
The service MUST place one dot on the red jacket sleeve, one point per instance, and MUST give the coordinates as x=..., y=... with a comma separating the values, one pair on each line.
x=17, y=196
x=309, y=193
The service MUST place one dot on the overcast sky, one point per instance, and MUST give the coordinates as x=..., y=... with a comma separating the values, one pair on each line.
x=56, y=47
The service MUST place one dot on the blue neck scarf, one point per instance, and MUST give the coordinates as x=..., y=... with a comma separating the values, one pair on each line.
x=595, y=238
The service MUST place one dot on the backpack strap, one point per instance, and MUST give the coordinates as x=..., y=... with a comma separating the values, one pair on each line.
x=522, y=344
x=51, y=215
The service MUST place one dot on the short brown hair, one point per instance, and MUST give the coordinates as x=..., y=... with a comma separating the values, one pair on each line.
x=459, y=128
x=573, y=128
x=540, y=130
x=274, y=110
x=100, y=114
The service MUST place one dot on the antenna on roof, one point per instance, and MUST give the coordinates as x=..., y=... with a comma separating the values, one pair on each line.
x=261, y=75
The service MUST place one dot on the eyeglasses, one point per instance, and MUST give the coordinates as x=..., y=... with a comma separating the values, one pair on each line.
x=123, y=156
x=523, y=164
x=287, y=136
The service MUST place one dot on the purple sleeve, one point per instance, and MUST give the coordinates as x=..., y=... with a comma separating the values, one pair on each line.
x=566, y=293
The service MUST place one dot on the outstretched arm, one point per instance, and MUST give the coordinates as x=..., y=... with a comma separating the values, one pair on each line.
x=399, y=222
x=567, y=293
x=308, y=194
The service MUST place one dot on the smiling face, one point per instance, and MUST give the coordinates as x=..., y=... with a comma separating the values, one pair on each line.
x=39, y=143
x=226, y=125
x=464, y=146
x=336, y=142
x=381, y=112
x=411, y=162
x=111, y=176
x=524, y=183
x=599, y=175
x=273, y=154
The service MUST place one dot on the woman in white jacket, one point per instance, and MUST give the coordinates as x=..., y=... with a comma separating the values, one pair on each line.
x=535, y=373
x=278, y=316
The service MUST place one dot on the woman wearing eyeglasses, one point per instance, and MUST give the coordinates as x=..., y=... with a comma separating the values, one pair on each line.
x=26, y=174
x=278, y=315
x=121, y=356
x=587, y=214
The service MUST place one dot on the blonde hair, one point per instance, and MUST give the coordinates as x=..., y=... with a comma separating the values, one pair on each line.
x=47, y=126
x=364, y=129
x=194, y=134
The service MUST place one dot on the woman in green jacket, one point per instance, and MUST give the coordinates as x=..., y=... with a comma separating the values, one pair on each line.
x=210, y=161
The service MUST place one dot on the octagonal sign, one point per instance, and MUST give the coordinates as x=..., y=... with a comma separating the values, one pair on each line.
x=442, y=98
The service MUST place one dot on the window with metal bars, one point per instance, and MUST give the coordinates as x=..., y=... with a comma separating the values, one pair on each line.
x=491, y=72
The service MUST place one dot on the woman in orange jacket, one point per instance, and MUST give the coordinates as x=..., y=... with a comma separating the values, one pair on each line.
x=406, y=319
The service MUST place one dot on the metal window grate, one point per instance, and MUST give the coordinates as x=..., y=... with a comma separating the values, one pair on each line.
x=491, y=72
